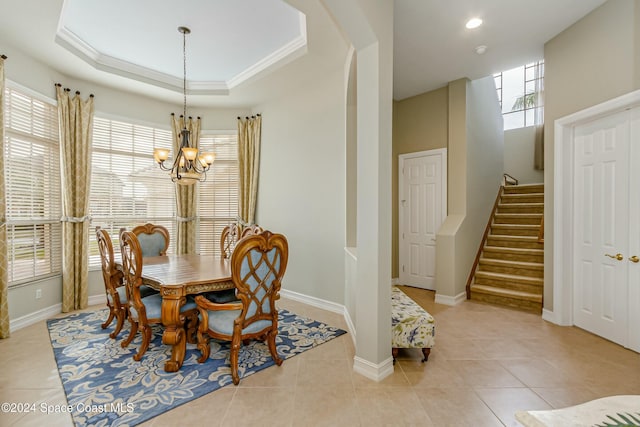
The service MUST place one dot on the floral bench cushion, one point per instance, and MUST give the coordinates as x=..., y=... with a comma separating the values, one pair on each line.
x=411, y=325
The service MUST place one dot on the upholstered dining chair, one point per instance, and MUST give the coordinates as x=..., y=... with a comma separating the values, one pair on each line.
x=228, y=239
x=144, y=312
x=251, y=229
x=257, y=266
x=154, y=239
x=113, y=283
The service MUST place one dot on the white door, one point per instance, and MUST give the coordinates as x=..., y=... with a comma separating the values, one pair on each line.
x=422, y=208
x=601, y=212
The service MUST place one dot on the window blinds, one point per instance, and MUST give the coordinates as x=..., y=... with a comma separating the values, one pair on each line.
x=32, y=179
x=127, y=187
x=219, y=193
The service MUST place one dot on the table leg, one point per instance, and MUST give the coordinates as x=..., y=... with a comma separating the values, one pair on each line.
x=174, y=333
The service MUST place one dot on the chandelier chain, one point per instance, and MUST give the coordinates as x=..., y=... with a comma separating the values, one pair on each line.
x=184, y=74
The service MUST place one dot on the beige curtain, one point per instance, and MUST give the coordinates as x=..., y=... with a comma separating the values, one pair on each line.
x=186, y=195
x=4, y=278
x=249, y=136
x=75, y=118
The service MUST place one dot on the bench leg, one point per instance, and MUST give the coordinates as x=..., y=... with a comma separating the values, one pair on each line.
x=394, y=353
x=425, y=353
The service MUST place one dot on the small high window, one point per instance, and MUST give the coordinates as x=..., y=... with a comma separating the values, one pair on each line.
x=521, y=94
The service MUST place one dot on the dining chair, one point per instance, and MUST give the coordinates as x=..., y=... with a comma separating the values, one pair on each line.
x=228, y=239
x=113, y=283
x=251, y=229
x=258, y=264
x=144, y=312
x=154, y=239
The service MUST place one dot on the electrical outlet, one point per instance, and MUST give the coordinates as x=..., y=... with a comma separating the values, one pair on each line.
x=38, y=293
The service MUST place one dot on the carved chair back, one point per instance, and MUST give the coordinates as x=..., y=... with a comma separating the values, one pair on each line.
x=153, y=239
x=132, y=268
x=251, y=230
x=112, y=281
x=228, y=239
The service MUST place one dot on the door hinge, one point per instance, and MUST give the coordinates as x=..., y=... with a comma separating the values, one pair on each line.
x=403, y=268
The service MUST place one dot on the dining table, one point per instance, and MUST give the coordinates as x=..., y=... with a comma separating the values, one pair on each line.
x=176, y=277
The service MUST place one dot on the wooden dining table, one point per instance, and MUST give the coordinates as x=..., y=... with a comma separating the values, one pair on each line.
x=176, y=277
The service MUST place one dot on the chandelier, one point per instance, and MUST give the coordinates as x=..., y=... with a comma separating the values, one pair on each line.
x=188, y=165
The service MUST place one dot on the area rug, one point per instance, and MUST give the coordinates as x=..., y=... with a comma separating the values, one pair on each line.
x=612, y=411
x=106, y=387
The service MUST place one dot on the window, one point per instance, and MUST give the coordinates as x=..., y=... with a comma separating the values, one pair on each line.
x=32, y=178
x=219, y=193
x=127, y=187
x=520, y=95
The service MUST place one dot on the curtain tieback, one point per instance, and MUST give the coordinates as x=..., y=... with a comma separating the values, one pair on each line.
x=75, y=219
x=243, y=223
x=186, y=218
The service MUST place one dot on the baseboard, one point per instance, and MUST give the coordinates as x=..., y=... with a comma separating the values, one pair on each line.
x=395, y=281
x=550, y=316
x=35, y=317
x=98, y=300
x=448, y=300
x=372, y=371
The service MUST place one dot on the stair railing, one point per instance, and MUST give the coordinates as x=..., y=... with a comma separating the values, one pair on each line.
x=508, y=180
x=484, y=239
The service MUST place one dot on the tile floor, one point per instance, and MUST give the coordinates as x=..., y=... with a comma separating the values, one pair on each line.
x=488, y=363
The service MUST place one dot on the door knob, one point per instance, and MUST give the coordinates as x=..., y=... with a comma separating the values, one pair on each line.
x=619, y=257
x=634, y=259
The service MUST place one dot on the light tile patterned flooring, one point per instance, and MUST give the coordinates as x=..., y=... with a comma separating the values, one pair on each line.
x=488, y=362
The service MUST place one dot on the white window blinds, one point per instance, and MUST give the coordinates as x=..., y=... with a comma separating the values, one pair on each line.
x=32, y=179
x=127, y=187
x=219, y=193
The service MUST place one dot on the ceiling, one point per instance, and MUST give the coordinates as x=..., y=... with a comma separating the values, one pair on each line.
x=241, y=51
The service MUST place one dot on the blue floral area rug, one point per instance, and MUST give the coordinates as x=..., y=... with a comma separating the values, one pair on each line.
x=106, y=387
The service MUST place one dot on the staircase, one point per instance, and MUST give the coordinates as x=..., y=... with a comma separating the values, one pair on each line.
x=509, y=269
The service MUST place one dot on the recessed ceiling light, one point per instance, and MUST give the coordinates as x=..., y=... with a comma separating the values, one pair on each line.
x=481, y=49
x=473, y=23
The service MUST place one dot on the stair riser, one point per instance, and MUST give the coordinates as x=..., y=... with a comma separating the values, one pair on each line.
x=519, y=198
x=523, y=209
x=516, y=271
x=513, y=257
x=493, y=241
x=505, y=230
x=508, y=284
x=524, y=305
x=510, y=189
x=534, y=220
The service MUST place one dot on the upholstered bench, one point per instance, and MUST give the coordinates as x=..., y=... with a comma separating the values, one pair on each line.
x=411, y=325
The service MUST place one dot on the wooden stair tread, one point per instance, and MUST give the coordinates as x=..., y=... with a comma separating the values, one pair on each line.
x=513, y=238
x=512, y=277
x=506, y=262
x=506, y=293
x=505, y=249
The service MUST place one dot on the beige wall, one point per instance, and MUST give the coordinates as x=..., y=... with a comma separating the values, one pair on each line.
x=592, y=61
x=518, y=155
x=419, y=124
x=475, y=153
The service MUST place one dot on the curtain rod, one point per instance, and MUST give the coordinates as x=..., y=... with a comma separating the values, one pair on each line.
x=247, y=117
x=66, y=89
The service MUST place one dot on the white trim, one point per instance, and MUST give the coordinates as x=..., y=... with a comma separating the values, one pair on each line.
x=549, y=316
x=35, y=317
x=449, y=300
x=100, y=299
x=375, y=372
x=395, y=281
x=563, y=201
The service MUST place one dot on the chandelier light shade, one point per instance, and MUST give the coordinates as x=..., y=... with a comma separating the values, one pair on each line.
x=188, y=166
